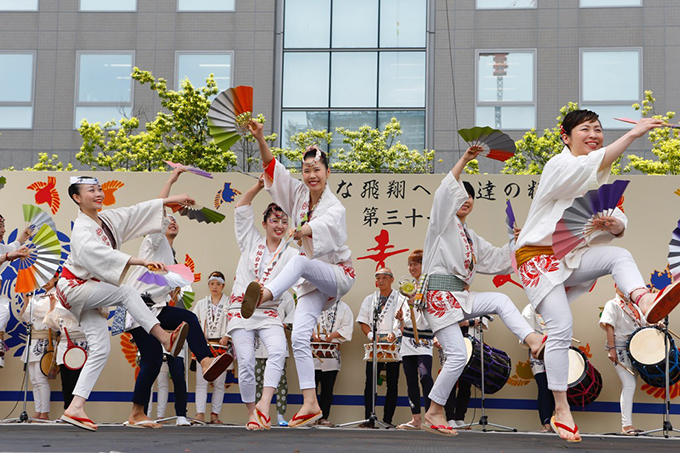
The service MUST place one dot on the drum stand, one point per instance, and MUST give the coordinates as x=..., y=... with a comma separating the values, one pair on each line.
x=373, y=419
x=666, y=426
x=484, y=419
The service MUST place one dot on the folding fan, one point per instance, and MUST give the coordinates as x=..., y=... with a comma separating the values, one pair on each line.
x=194, y=170
x=510, y=222
x=628, y=120
x=176, y=275
x=188, y=298
x=44, y=257
x=36, y=217
x=197, y=212
x=576, y=223
x=229, y=116
x=497, y=145
x=674, y=252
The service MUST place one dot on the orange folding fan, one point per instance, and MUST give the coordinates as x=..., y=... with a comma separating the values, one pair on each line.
x=229, y=116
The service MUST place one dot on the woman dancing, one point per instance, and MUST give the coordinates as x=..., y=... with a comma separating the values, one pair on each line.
x=325, y=267
x=551, y=284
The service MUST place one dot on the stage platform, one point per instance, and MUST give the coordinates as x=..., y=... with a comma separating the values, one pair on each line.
x=203, y=439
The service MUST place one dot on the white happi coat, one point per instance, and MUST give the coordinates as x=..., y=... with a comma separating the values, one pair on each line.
x=565, y=177
x=408, y=344
x=328, y=223
x=214, y=326
x=447, y=251
x=252, y=266
x=338, y=317
x=41, y=306
x=93, y=257
x=286, y=311
x=155, y=247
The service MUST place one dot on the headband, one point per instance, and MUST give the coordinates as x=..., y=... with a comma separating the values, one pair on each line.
x=384, y=271
x=216, y=279
x=317, y=156
x=172, y=217
x=83, y=180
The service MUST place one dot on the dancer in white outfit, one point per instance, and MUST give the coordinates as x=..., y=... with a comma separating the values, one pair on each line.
x=93, y=272
x=326, y=266
x=551, y=284
x=452, y=255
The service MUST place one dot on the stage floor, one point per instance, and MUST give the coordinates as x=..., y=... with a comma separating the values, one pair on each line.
x=169, y=439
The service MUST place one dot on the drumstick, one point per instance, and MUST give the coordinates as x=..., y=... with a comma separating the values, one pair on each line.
x=625, y=368
x=627, y=120
x=413, y=321
x=317, y=356
x=672, y=333
x=575, y=340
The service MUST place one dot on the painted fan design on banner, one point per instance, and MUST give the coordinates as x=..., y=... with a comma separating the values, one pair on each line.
x=229, y=115
x=197, y=212
x=43, y=260
x=497, y=144
x=36, y=218
x=576, y=223
x=176, y=275
x=189, y=168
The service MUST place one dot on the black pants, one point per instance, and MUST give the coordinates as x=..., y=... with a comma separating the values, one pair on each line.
x=456, y=405
x=151, y=351
x=325, y=381
x=392, y=371
x=415, y=367
x=69, y=378
x=546, y=401
x=176, y=368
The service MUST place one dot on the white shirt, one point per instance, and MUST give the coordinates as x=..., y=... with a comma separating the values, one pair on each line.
x=338, y=318
x=624, y=323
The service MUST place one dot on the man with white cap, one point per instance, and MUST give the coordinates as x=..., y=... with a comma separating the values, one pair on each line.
x=386, y=301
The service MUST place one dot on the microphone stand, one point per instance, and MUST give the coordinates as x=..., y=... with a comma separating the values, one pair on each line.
x=484, y=419
x=373, y=419
x=666, y=426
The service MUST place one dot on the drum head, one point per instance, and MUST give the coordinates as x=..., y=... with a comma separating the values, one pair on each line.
x=74, y=358
x=468, y=349
x=577, y=366
x=647, y=346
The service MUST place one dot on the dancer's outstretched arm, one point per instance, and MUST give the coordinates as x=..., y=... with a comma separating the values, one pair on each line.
x=257, y=129
x=249, y=196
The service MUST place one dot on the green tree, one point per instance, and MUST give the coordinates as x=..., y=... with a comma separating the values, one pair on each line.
x=665, y=144
x=248, y=150
x=302, y=140
x=49, y=163
x=179, y=134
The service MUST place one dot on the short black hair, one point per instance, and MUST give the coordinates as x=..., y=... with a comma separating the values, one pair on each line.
x=311, y=152
x=469, y=189
x=573, y=119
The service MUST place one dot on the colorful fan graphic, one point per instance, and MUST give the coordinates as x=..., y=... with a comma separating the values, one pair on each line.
x=229, y=116
x=44, y=257
x=36, y=217
x=197, y=212
x=497, y=144
x=189, y=168
x=177, y=275
x=576, y=223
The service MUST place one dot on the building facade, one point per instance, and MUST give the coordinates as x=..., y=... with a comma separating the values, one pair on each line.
x=435, y=65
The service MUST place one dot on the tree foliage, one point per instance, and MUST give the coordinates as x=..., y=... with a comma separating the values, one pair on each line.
x=665, y=144
x=49, y=163
x=180, y=133
x=248, y=150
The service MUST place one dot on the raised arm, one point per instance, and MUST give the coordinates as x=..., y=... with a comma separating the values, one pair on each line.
x=174, y=176
x=616, y=149
x=471, y=153
x=249, y=196
x=257, y=129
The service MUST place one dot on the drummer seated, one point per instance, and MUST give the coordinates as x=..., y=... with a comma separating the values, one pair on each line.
x=383, y=304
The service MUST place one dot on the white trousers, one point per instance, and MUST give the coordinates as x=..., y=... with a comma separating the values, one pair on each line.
x=308, y=310
x=628, y=384
x=41, y=387
x=4, y=312
x=163, y=385
x=274, y=339
x=202, y=391
x=451, y=340
x=595, y=263
x=96, y=330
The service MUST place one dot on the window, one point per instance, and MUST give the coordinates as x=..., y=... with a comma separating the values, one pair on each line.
x=506, y=89
x=16, y=90
x=18, y=5
x=198, y=66
x=108, y=5
x=103, y=87
x=608, y=3
x=610, y=83
x=205, y=5
x=349, y=63
x=505, y=4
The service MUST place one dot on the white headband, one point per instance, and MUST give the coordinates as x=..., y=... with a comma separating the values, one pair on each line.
x=217, y=279
x=83, y=180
